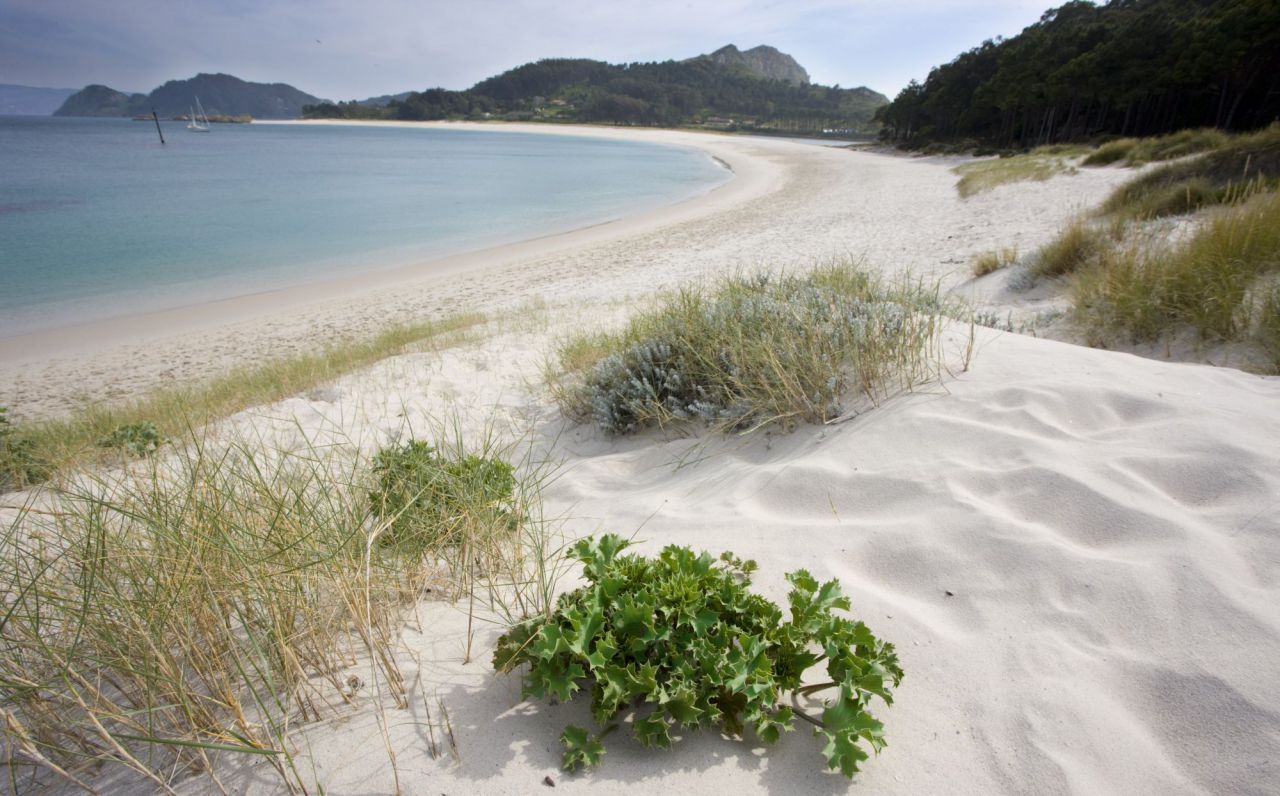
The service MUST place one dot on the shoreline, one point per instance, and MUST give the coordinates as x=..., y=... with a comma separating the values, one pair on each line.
x=789, y=205
x=129, y=326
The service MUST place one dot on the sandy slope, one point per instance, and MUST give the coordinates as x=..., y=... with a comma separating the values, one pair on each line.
x=1106, y=524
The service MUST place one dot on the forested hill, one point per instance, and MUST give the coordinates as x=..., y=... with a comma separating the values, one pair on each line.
x=221, y=95
x=1129, y=67
x=727, y=89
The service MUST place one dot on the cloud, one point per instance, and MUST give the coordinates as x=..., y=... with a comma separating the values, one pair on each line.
x=342, y=49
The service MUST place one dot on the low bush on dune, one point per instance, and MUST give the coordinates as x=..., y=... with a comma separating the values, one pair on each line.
x=1110, y=152
x=678, y=642
x=1220, y=283
x=1232, y=169
x=134, y=439
x=992, y=261
x=427, y=497
x=754, y=350
x=205, y=603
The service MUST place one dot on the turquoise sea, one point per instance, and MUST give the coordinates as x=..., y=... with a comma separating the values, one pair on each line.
x=98, y=219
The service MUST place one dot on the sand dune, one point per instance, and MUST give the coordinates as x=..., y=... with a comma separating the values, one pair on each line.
x=1105, y=525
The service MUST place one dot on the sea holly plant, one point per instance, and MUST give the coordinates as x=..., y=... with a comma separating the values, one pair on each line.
x=679, y=642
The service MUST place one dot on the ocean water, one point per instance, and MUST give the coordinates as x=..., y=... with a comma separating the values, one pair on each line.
x=98, y=219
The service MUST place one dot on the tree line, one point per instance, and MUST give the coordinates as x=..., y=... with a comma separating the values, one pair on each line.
x=1128, y=68
x=661, y=94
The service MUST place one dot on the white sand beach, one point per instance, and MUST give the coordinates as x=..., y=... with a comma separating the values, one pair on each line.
x=1076, y=552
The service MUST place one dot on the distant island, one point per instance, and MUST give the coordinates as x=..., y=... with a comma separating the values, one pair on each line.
x=760, y=89
x=1086, y=71
x=224, y=97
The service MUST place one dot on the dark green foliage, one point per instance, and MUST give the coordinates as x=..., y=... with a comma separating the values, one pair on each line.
x=427, y=497
x=135, y=439
x=1127, y=67
x=679, y=642
x=668, y=93
x=221, y=95
x=19, y=465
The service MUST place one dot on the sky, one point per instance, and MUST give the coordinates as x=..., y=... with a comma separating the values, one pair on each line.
x=352, y=49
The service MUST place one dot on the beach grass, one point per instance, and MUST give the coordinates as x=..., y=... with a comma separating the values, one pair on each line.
x=1231, y=169
x=203, y=603
x=1139, y=151
x=1219, y=283
x=991, y=261
x=747, y=351
x=979, y=176
x=43, y=448
x=1077, y=244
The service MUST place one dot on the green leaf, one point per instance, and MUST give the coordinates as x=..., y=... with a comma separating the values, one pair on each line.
x=842, y=752
x=579, y=749
x=652, y=731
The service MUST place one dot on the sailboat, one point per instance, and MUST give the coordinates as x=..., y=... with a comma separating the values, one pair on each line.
x=199, y=123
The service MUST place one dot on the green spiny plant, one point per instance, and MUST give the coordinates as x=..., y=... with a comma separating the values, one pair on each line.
x=680, y=642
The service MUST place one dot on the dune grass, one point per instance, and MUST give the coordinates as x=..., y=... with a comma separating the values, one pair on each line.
x=752, y=350
x=1233, y=168
x=205, y=602
x=979, y=176
x=992, y=261
x=42, y=448
x=1220, y=283
x=1077, y=244
x=1139, y=151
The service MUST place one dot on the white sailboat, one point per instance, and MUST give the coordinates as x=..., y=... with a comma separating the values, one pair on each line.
x=199, y=121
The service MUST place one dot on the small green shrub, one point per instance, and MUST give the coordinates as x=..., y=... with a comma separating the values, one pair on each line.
x=135, y=439
x=19, y=464
x=683, y=634
x=427, y=497
x=754, y=350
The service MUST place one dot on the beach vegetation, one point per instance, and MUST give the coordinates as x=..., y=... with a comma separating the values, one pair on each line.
x=748, y=351
x=1236, y=167
x=991, y=261
x=19, y=464
x=678, y=642
x=162, y=621
x=978, y=176
x=134, y=439
x=1140, y=151
x=424, y=496
x=60, y=443
x=1077, y=244
x=1219, y=282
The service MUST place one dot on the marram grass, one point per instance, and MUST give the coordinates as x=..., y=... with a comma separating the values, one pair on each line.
x=49, y=446
x=1219, y=283
x=204, y=602
x=748, y=351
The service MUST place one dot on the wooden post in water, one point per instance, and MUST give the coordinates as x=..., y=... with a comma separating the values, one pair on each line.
x=156, y=119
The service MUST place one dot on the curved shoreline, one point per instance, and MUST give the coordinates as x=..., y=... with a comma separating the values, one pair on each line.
x=136, y=327
x=789, y=205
